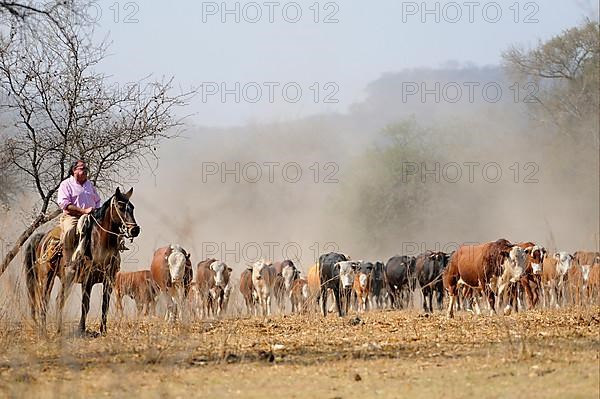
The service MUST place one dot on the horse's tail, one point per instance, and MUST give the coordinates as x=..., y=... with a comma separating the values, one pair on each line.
x=29, y=261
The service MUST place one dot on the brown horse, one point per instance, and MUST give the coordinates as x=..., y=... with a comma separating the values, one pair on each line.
x=107, y=225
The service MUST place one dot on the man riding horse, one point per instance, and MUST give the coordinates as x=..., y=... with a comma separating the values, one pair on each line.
x=84, y=248
x=77, y=196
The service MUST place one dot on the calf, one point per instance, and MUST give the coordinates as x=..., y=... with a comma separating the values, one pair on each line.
x=593, y=285
x=531, y=278
x=576, y=281
x=329, y=275
x=140, y=287
x=299, y=295
x=362, y=285
x=508, y=282
x=212, y=279
x=247, y=291
x=429, y=267
x=346, y=270
x=314, y=286
x=554, y=277
x=263, y=278
x=401, y=279
x=377, y=277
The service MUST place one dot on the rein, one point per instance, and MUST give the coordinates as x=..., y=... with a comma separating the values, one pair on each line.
x=123, y=232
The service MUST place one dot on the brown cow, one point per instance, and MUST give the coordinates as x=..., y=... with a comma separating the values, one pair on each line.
x=314, y=286
x=212, y=278
x=171, y=270
x=584, y=260
x=576, y=283
x=140, y=287
x=248, y=291
x=299, y=295
x=263, y=279
x=531, y=280
x=476, y=266
x=585, y=257
x=362, y=285
x=593, y=285
x=554, y=277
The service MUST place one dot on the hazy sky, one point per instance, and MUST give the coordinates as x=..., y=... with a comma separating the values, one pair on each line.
x=333, y=60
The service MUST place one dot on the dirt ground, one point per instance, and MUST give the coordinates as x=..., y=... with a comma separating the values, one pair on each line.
x=549, y=353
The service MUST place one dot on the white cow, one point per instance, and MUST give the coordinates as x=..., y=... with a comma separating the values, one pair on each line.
x=513, y=266
x=554, y=275
x=176, y=261
x=346, y=270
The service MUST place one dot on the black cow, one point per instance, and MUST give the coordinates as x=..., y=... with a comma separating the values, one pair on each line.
x=430, y=266
x=330, y=278
x=377, y=285
x=400, y=279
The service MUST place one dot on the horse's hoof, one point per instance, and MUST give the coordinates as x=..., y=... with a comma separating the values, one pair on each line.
x=87, y=334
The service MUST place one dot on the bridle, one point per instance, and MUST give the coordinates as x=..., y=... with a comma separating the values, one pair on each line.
x=123, y=228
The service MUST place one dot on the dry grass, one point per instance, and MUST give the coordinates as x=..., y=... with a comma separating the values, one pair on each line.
x=541, y=353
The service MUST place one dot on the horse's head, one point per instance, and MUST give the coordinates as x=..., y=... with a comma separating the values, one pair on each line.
x=122, y=213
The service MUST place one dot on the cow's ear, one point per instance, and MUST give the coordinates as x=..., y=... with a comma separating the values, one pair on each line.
x=556, y=256
x=229, y=269
x=188, y=256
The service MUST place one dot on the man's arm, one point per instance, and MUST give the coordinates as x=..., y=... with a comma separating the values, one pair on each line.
x=65, y=201
x=77, y=211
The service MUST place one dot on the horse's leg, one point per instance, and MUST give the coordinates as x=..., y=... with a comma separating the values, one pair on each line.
x=42, y=300
x=86, y=290
x=65, y=290
x=107, y=288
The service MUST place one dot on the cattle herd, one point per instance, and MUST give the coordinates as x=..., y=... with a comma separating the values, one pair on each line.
x=512, y=276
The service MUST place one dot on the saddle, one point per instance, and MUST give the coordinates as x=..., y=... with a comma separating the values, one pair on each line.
x=51, y=246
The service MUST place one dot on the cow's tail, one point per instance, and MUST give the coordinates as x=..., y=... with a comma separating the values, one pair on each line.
x=29, y=262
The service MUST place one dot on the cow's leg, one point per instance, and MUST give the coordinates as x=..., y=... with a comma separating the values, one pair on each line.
x=491, y=299
x=336, y=295
x=440, y=298
x=268, y=304
x=170, y=316
x=86, y=290
x=139, y=307
x=430, y=300
x=475, y=302
x=107, y=287
x=119, y=303
x=450, y=311
x=324, y=301
x=528, y=293
x=65, y=289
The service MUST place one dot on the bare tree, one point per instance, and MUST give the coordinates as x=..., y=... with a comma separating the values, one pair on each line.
x=61, y=108
x=565, y=73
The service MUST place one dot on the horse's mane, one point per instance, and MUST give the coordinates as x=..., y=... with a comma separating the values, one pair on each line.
x=100, y=213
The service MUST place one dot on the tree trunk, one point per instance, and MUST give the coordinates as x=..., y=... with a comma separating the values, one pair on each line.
x=39, y=221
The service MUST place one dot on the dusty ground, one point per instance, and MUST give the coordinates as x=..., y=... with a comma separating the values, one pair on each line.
x=380, y=354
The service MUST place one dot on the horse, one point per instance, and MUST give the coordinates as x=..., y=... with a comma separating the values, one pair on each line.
x=101, y=233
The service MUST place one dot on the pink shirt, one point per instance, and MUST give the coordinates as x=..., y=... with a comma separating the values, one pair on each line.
x=72, y=193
